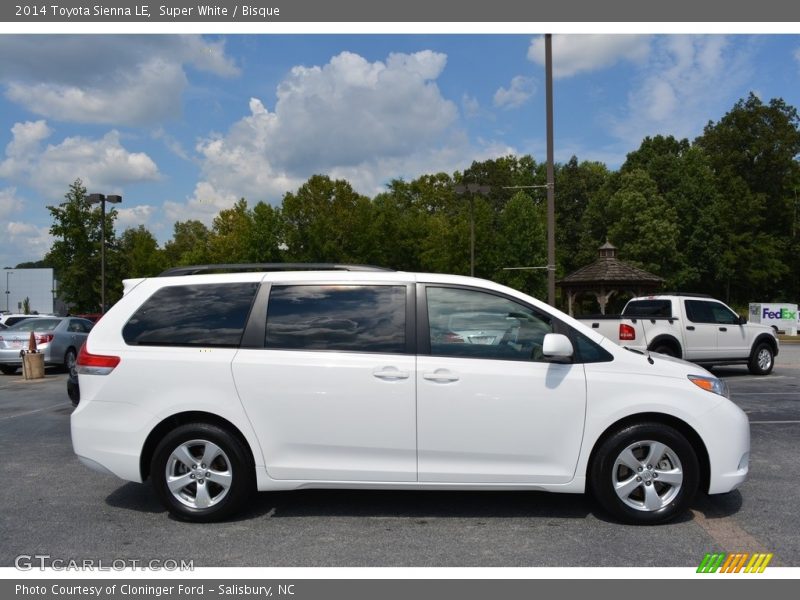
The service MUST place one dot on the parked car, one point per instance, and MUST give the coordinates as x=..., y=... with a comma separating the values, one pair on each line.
x=216, y=385
x=59, y=338
x=694, y=327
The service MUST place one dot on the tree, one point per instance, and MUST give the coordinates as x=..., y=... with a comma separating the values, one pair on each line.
x=645, y=228
x=189, y=244
x=327, y=221
x=75, y=253
x=753, y=153
x=140, y=252
x=575, y=184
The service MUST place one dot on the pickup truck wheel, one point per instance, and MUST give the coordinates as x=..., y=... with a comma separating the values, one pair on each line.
x=762, y=360
x=645, y=474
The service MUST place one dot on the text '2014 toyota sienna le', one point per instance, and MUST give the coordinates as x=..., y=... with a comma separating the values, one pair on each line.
x=214, y=385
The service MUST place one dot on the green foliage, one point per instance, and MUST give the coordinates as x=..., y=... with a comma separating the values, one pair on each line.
x=75, y=253
x=142, y=257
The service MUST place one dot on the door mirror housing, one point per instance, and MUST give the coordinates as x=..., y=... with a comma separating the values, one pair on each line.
x=741, y=320
x=557, y=345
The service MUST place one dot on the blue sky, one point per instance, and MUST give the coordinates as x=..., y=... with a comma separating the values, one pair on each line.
x=182, y=125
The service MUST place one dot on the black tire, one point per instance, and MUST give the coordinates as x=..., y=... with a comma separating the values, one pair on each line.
x=667, y=350
x=227, y=481
x=70, y=356
x=762, y=359
x=678, y=462
x=8, y=369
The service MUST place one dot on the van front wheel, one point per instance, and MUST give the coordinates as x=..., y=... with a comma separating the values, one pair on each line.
x=645, y=474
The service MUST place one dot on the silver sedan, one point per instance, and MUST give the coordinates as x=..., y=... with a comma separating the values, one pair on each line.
x=58, y=338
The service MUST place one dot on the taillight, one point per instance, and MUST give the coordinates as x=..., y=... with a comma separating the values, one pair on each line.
x=95, y=364
x=626, y=332
x=44, y=338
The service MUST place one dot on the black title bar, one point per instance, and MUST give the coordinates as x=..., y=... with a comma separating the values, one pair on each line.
x=416, y=11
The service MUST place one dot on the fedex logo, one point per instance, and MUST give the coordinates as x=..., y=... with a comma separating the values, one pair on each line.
x=783, y=313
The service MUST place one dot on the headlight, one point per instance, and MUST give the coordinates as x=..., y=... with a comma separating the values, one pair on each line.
x=711, y=384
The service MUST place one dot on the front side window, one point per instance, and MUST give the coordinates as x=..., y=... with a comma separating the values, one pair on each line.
x=471, y=323
x=701, y=311
x=354, y=318
x=209, y=315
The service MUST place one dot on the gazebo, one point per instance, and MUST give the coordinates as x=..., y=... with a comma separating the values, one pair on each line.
x=607, y=276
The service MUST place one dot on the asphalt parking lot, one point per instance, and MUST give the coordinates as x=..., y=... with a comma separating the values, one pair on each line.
x=53, y=505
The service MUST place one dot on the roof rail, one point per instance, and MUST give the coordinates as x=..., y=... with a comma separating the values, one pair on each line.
x=196, y=269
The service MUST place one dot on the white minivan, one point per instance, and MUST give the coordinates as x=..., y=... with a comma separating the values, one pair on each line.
x=216, y=384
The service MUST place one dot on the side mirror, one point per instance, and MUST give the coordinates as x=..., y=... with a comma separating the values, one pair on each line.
x=741, y=320
x=556, y=345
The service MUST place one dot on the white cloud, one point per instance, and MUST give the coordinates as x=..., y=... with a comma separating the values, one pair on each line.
x=672, y=96
x=124, y=80
x=369, y=121
x=24, y=242
x=102, y=163
x=9, y=203
x=150, y=93
x=517, y=94
x=581, y=53
x=470, y=106
x=134, y=216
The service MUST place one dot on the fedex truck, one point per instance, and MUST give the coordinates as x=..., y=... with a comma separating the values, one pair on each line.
x=779, y=315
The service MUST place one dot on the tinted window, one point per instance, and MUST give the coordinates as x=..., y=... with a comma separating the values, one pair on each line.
x=334, y=317
x=648, y=308
x=699, y=311
x=470, y=323
x=192, y=315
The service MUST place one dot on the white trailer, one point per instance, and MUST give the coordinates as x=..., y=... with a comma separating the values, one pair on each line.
x=779, y=315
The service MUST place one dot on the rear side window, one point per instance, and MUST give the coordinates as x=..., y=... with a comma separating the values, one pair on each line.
x=192, y=315
x=355, y=318
x=648, y=308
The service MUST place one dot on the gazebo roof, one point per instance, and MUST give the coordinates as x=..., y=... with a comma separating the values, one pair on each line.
x=608, y=269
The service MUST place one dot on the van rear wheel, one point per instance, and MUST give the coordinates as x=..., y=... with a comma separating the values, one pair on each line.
x=202, y=473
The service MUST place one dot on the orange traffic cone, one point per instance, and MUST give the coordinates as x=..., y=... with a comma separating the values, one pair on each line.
x=32, y=342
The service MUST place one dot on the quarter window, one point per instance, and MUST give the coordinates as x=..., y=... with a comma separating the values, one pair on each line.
x=354, y=318
x=470, y=323
x=212, y=315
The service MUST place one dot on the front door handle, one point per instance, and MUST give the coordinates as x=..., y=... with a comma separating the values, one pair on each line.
x=441, y=376
x=690, y=327
x=390, y=373
x=723, y=329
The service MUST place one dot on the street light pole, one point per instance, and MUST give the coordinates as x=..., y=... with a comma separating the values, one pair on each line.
x=101, y=199
x=8, y=293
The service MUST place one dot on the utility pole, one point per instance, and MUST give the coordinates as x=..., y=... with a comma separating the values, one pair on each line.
x=101, y=200
x=551, y=210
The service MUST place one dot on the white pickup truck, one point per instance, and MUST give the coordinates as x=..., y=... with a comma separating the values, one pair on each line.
x=693, y=327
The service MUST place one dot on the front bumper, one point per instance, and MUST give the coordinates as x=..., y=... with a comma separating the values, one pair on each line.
x=728, y=445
